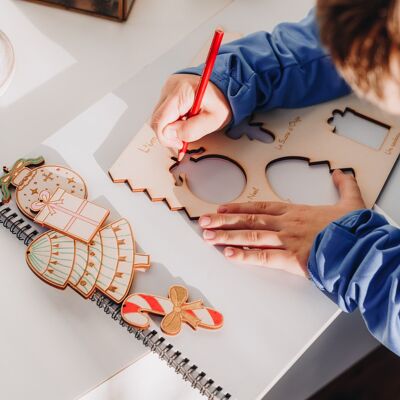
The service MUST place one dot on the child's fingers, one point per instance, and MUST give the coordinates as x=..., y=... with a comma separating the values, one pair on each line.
x=176, y=101
x=272, y=258
x=243, y=237
x=348, y=188
x=256, y=207
x=164, y=114
x=193, y=128
x=240, y=221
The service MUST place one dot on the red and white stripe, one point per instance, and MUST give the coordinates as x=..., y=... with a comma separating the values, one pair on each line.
x=209, y=318
x=136, y=306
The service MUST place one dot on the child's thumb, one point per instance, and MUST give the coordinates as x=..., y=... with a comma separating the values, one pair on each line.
x=195, y=127
x=348, y=189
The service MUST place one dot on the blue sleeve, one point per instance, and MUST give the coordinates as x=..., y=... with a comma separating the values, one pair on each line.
x=355, y=261
x=286, y=68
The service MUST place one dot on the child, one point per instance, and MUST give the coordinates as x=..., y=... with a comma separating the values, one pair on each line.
x=352, y=254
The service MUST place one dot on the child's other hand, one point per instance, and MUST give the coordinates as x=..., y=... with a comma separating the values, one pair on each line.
x=176, y=100
x=277, y=235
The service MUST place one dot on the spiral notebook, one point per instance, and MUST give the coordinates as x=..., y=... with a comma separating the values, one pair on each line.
x=26, y=231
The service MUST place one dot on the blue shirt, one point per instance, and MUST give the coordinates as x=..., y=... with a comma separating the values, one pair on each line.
x=355, y=261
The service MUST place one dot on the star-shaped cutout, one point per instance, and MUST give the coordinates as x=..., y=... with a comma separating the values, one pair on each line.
x=34, y=191
x=71, y=180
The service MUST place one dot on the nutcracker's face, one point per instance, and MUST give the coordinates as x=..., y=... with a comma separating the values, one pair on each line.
x=30, y=183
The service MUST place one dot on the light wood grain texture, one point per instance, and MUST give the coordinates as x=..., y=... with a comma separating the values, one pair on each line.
x=69, y=214
x=176, y=310
x=108, y=263
x=304, y=133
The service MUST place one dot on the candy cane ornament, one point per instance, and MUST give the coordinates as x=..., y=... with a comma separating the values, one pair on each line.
x=175, y=309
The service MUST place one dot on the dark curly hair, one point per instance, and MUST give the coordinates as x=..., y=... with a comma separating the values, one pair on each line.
x=362, y=36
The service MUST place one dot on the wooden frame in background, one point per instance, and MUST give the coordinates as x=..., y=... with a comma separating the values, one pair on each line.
x=117, y=10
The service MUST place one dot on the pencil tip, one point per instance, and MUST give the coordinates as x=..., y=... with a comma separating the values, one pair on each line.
x=181, y=156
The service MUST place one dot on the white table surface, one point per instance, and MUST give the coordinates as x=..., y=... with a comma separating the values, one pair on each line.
x=78, y=59
x=81, y=58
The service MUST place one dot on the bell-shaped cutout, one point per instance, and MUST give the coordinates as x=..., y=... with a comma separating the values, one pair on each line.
x=253, y=130
x=213, y=179
x=296, y=181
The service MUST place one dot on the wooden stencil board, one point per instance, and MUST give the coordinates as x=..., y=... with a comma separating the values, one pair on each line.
x=304, y=133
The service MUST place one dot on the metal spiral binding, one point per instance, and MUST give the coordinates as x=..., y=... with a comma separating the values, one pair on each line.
x=157, y=344
x=14, y=222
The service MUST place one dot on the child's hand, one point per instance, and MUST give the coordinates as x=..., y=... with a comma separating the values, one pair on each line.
x=278, y=235
x=176, y=100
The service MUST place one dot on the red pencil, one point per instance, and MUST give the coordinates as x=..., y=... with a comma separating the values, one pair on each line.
x=208, y=67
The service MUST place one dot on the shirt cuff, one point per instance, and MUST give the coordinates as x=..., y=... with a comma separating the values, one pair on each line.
x=326, y=264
